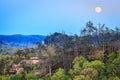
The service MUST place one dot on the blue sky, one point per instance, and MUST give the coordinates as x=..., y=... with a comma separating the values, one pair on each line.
x=48, y=16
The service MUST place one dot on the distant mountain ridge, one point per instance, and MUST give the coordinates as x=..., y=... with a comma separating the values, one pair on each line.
x=20, y=40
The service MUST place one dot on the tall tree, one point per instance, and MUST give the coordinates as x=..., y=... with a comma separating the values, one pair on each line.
x=117, y=35
x=90, y=27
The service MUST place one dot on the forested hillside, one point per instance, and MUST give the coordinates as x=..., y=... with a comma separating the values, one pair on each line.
x=93, y=55
x=20, y=40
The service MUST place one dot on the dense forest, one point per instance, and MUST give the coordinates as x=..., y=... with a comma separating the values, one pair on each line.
x=92, y=55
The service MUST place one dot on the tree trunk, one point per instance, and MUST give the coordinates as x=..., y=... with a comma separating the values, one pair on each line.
x=50, y=70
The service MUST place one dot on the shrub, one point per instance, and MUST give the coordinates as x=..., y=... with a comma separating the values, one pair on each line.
x=60, y=75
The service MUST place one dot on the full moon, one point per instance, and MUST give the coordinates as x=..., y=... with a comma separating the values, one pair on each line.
x=98, y=9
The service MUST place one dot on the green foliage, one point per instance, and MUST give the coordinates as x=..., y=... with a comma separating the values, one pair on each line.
x=98, y=65
x=5, y=63
x=105, y=44
x=17, y=59
x=78, y=63
x=87, y=74
x=113, y=68
x=110, y=70
x=90, y=72
x=17, y=77
x=31, y=55
x=75, y=71
x=114, y=78
x=116, y=61
x=111, y=57
x=81, y=77
x=79, y=60
x=55, y=38
x=4, y=78
x=31, y=76
x=83, y=69
x=60, y=75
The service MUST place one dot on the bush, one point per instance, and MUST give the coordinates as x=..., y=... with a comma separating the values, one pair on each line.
x=114, y=78
x=60, y=75
x=31, y=76
x=4, y=78
x=17, y=77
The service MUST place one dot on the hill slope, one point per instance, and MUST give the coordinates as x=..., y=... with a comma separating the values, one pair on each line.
x=21, y=40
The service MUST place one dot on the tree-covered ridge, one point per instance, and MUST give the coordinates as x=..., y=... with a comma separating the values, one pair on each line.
x=93, y=55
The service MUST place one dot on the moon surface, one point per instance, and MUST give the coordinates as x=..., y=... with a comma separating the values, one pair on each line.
x=98, y=9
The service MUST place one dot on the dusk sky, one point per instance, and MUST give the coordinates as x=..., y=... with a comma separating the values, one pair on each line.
x=48, y=16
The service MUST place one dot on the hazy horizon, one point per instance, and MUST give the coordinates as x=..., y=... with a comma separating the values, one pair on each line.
x=42, y=17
